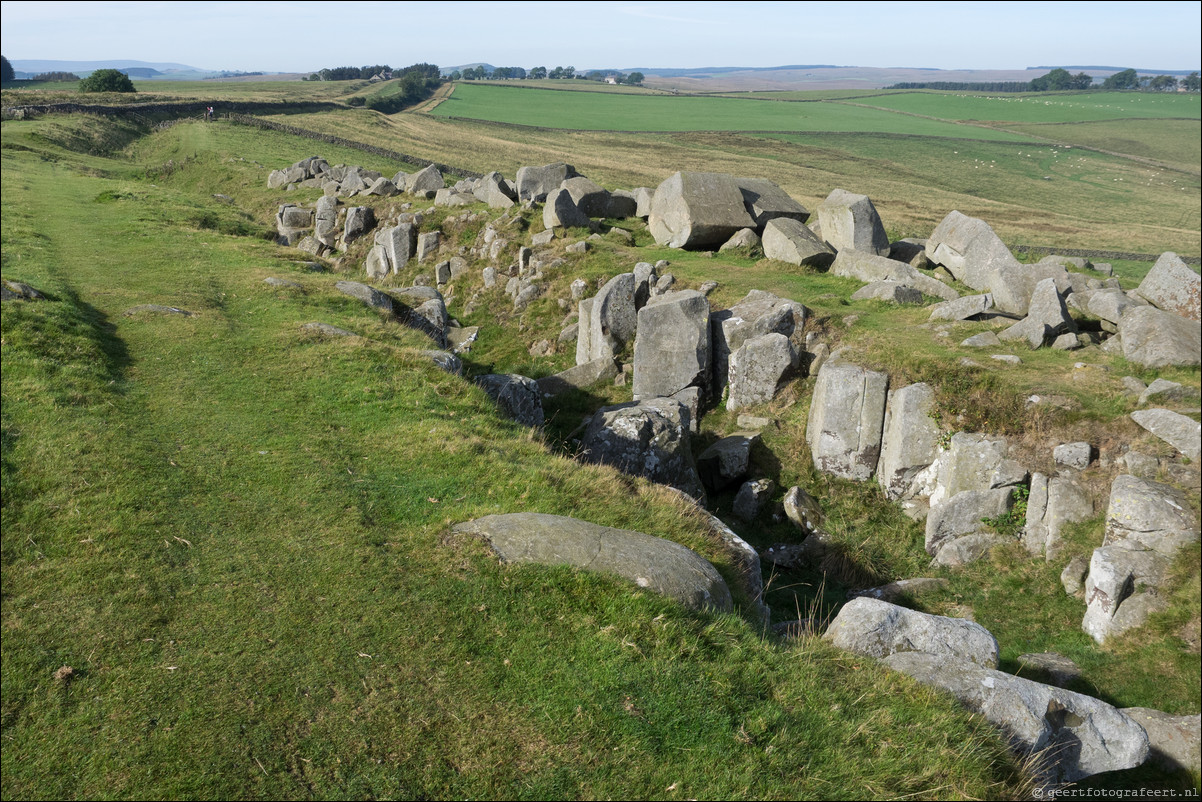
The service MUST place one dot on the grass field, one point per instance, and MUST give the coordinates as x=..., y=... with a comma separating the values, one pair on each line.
x=238, y=535
x=614, y=112
x=1041, y=107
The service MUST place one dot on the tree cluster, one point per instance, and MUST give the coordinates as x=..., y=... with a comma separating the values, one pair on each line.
x=412, y=84
x=107, y=81
x=350, y=73
x=6, y=70
x=55, y=76
x=1059, y=80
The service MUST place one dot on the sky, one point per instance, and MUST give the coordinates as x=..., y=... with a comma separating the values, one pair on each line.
x=303, y=37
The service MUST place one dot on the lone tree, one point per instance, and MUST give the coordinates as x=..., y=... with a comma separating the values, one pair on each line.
x=1127, y=79
x=6, y=70
x=107, y=81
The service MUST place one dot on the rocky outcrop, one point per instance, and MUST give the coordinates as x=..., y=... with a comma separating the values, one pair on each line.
x=789, y=240
x=757, y=369
x=1157, y=339
x=759, y=313
x=536, y=183
x=653, y=563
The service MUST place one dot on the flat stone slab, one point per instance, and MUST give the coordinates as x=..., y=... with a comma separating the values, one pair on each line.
x=653, y=563
x=876, y=628
x=1182, y=433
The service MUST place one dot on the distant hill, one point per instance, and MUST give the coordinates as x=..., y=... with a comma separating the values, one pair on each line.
x=141, y=70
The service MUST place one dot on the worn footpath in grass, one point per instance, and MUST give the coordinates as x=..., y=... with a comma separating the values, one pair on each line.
x=237, y=538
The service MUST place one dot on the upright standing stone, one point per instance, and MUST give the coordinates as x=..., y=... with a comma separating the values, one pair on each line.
x=613, y=317
x=1172, y=286
x=850, y=222
x=847, y=414
x=672, y=345
x=909, y=442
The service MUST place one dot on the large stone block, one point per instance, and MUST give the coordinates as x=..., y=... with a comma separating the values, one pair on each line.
x=850, y=222
x=672, y=344
x=759, y=313
x=696, y=210
x=647, y=438
x=847, y=414
x=766, y=201
x=909, y=440
x=790, y=240
x=757, y=368
x=876, y=628
x=613, y=317
x=1157, y=339
x=1172, y=286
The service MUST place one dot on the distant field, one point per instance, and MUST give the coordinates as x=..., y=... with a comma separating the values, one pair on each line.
x=150, y=91
x=1174, y=142
x=1042, y=108
x=612, y=112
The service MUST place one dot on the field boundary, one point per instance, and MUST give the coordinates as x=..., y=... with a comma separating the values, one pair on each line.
x=1089, y=254
x=180, y=109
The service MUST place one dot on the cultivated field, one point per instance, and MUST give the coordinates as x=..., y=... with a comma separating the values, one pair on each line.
x=237, y=534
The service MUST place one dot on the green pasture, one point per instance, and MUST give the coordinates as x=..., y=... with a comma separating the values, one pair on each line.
x=613, y=112
x=1177, y=143
x=1041, y=107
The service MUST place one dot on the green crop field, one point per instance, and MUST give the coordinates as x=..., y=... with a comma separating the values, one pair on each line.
x=598, y=111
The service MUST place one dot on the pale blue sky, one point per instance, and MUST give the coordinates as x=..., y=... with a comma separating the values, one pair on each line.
x=300, y=37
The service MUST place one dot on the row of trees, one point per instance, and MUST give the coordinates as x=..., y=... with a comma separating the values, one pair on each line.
x=1060, y=80
x=350, y=73
x=479, y=73
x=1130, y=79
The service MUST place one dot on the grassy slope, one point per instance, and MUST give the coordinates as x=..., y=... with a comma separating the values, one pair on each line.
x=236, y=535
x=1041, y=107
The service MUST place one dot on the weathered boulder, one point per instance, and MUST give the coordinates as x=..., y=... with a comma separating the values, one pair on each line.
x=961, y=515
x=382, y=187
x=578, y=377
x=621, y=204
x=359, y=221
x=766, y=201
x=726, y=461
x=425, y=181
x=757, y=368
x=659, y=565
x=672, y=344
x=1122, y=588
x=1182, y=433
x=562, y=211
x=424, y=309
x=368, y=295
x=589, y=197
x=1174, y=740
x=584, y=332
x=613, y=318
x=695, y=210
x=752, y=497
x=845, y=421
x=517, y=397
x=376, y=264
x=850, y=222
x=1152, y=514
x=790, y=240
x=1109, y=305
x=975, y=255
x=1147, y=523
x=536, y=183
x=1172, y=286
x=649, y=438
x=292, y=223
x=901, y=589
x=449, y=196
x=967, y=549
x=869, y=267
x=326, y=221
x=1047, y=317
x=909, y=440
x=963, y=308
x=803, y=510
x=399, y=243
x=759, y=313
x=1080, y=735
x=745, y=239
x=1073, y=455
x=1156, y=339
x=445, y=360
x=888, y=291
x=975, y=461
x=428, y=244
x=876, y=628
